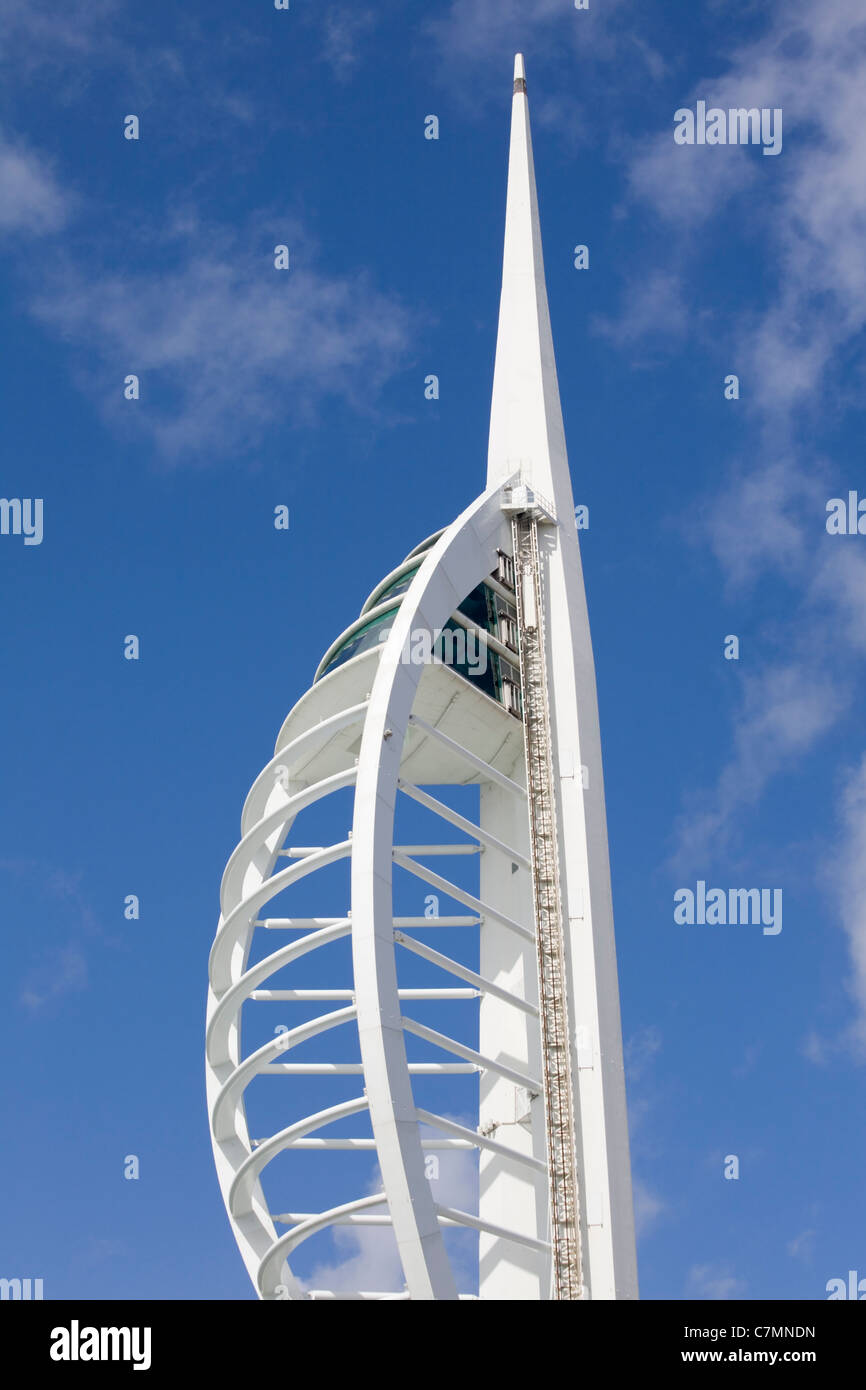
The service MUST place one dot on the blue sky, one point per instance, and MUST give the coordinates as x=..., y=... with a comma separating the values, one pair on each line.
x=306, y=388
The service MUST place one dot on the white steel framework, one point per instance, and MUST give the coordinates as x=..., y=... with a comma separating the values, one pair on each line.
x=527, y=957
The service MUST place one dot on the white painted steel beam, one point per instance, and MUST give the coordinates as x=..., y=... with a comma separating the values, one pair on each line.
x=482, y=986
x=489, y=773
x=462, y=823
x=458, y=894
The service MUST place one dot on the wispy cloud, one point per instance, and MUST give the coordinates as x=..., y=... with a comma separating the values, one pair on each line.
x=482, y=32
x=757, y=523
x=714, y=1281
x=345, y=29
x=804, y=216
x=224, y=344
x=810, y=208
x=32, y=201
x=485, y=30
x=59, y=965
x=802, y=1246
x=185, y=62
x=58, y=972
x=653, y=306
x=641, y=1051
x=846, y=876
x=683, y=187
x=365, y=1258
x=476, y=40
x=786, y=708
x=648, y=1207
x=36, y=36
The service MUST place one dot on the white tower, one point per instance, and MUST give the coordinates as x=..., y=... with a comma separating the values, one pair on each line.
x=470, y=667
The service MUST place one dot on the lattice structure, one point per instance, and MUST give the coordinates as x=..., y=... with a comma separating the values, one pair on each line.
x=549, y=926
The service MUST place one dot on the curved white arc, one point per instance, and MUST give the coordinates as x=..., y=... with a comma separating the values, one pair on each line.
x=386, y=583
x=241, y=1189
x=232, y=928
x=274, y=1258
x=461, y=557
x=254, y=841
x=226, y=1009
x=254, y=1230
x=380, y=610
x=260, y=792
x=242, y=1075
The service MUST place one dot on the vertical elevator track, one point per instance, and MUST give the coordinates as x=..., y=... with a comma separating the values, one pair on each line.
x=549, y=925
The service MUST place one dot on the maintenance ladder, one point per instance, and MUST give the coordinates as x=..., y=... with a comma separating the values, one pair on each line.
x=553, y=995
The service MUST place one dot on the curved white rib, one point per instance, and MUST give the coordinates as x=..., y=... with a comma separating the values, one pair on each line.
x=457, y=562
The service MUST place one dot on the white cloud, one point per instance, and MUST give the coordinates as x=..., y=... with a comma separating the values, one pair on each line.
x=59, y=972
x=839, y=584
x=715, y=1282
x=56, y=969
x=484, y=30
x=681, y=184
x=802, y=1246
x=31, y=199
x=648, y=1207
x=224, y=344
x=477, y=39
x=35, y=35
x=653, y=305
x=786, y=708
x=808, y=205
x=847, y=878
x=367, y=1258
x=640, y=1052
x=757, y=523
x=804, y=214
x=814, y=1048
x=345, y=29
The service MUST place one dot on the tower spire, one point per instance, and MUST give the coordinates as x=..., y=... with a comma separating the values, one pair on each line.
x=526, y=431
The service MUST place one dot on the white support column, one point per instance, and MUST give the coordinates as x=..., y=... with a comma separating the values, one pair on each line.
x=511, y=1195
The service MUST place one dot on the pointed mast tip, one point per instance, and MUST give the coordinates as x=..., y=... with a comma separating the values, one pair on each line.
x=519, y=73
